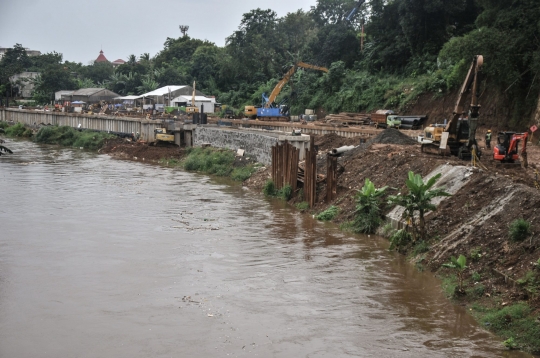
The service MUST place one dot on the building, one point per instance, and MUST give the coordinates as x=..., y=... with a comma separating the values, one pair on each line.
x=204, y=103
x=161, y=95
x=92, y=95
x=63, y=95
x=24, y=82
x=29, y=52
x=101, y=57
x=118, y=62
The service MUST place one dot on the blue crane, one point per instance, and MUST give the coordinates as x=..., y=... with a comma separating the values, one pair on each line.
x=355, y=9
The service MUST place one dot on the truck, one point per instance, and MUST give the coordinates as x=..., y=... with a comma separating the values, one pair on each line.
x=384, y=118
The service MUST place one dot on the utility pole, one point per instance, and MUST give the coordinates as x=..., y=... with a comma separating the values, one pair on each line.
x=184, y=29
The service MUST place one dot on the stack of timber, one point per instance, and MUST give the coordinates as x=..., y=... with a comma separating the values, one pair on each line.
x=346, y=118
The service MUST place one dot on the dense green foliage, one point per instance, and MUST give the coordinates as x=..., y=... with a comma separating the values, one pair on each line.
x=70, y=137
x=410, y=47
x=18, y=130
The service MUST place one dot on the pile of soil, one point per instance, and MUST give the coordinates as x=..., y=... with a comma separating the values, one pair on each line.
x=392, y=136
x=327, y=142
x=126, y=149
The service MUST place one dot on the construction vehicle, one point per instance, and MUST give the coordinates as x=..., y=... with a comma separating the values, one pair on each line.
x=507, y=148
x=269, y=109
x=458, y=136
x=193, y=108
x=162, y=135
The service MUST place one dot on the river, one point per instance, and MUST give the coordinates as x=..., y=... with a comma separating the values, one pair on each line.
x=108, y=258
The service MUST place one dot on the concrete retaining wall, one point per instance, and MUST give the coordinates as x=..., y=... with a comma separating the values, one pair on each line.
x=95, y=122
x=254, y=144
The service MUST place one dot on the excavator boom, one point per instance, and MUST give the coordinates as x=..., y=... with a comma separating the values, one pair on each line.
x=286, y=78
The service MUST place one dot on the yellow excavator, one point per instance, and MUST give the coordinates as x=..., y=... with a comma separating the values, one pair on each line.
x=193, y=108
x=267, y=110
x=458, y=136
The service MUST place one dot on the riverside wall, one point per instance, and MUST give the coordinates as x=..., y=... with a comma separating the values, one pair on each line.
x=258, y=145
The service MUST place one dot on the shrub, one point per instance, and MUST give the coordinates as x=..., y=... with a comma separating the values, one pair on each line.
x=328, y=214
x=18, y=130
x=420, y=248
x=269, y=188
x=475, y=254
x=304, y=205
x=285, y=193
x=400, y=239
x=519, y=230
x=243, y=173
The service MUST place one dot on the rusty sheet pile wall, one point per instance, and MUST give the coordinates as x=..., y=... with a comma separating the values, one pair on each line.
x=285, y=165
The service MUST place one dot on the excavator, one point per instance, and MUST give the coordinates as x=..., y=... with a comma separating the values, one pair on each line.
x=507, y=148
x=193, y=108
x=458, y=136
x=269, y=109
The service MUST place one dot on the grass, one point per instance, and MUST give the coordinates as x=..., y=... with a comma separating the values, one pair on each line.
x=513, y=322
x=328, y=214
x=243, y=173
x=400, y=239
x=284, y=193
x=210, y=161
x=420, y=248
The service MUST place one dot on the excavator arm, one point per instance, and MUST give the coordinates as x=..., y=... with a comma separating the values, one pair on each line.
x=470, y=80
x=286, y=78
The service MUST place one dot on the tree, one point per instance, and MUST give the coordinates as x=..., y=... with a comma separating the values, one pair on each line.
x=368, y=208
x=418, y=199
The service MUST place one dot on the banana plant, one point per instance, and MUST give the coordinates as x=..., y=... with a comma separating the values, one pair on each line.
x=459, y=265
x=418, y=199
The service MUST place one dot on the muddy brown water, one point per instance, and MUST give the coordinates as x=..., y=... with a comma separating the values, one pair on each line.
x=108, y=258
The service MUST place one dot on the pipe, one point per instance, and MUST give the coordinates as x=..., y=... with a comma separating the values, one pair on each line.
x=343, y=149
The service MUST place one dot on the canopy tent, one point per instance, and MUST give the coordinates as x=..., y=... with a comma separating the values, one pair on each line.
x=78, y=102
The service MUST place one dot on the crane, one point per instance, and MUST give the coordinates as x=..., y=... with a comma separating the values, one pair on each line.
x=460, y=132
x=355, y=9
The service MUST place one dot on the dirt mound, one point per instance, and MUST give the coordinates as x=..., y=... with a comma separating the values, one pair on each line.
x=123, y=149
x=393, y=136
x=330, y=141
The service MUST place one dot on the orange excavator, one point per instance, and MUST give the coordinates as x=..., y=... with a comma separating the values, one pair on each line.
x=507, y=148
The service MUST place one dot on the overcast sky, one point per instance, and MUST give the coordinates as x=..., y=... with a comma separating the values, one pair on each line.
x=80, y=28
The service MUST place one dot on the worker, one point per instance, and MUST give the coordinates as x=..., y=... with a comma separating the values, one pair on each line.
x=488, y=138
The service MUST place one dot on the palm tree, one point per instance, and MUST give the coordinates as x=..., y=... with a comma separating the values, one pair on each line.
x=418, y=199
x=132, y=59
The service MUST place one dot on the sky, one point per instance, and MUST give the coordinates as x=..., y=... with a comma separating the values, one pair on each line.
x=80, y=28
